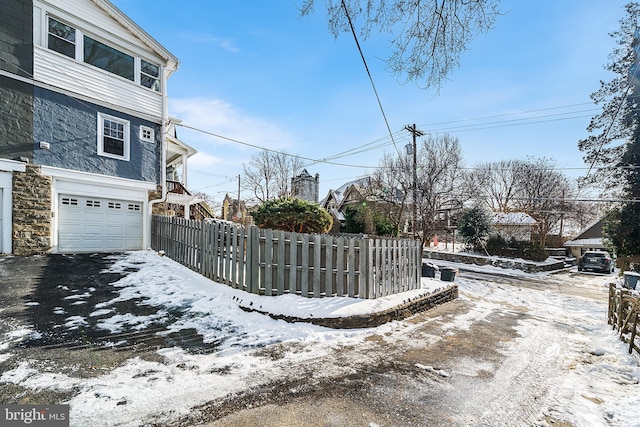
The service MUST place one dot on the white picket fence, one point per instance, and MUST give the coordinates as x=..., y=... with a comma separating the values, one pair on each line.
x=269, y=262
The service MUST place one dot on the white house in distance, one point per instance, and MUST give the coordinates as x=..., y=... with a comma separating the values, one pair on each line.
x=513, y=225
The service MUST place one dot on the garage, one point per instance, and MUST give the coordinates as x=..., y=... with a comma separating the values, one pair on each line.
x=93, y=224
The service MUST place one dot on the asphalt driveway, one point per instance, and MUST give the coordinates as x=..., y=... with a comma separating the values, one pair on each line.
x=50, y=312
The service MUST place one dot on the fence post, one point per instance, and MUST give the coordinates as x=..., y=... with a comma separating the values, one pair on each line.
x=317, y=265
x=253, y=260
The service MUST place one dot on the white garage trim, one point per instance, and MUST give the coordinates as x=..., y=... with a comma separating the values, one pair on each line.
x=104, y=190
x=93, y=224
x=6, y=212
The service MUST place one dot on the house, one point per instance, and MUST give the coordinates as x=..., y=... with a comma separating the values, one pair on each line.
x=513, y=225
x=234, y=209
x=85, y=136
x=590, y=239
x=338, y=200
x=359, y=193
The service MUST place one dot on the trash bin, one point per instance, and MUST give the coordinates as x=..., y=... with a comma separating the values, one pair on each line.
x=631, y=279
x=448, y=274
x=428, y=269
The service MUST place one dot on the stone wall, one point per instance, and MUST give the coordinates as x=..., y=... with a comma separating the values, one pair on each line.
x=16, y=37
x=371, y=320
x=31, y=212
x=517, y=264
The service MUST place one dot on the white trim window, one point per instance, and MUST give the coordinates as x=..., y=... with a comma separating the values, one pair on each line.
x=74, y=43
x=147, y=134
x=113, y=137
x=61, y=38
x=150, y=75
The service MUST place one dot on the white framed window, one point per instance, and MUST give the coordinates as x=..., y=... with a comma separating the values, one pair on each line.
x=108, y=58
x=113, y=137
x=147, y=134
x=149, y=75
x=61, y=38
x=72, y=41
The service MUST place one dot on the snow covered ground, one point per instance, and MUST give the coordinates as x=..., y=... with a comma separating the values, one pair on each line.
x=590, y=377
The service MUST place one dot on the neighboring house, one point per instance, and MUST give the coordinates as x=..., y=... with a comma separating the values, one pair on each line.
x=338, y=200
x=590, y=239
x=231, y=212
x=85, y=135
x=513, y=225
x=359, y=192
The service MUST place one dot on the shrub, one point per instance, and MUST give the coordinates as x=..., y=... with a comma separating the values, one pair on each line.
x=295, y=215
x=498, y=246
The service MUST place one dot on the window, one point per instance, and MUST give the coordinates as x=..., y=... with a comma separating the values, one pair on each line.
x=114, y=205
x=146, y=134
x=113, y=137
x=62, y=38
x=92, y=203
x=69, y=201
x=149, y=75
x=109, y=59
x=72, y=42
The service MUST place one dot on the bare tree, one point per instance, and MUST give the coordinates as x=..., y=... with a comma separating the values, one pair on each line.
x=438, y=179
x=438, y=173
x=495, y=184
x=391, y=183
x=268, y=174
x=542, y=194
x=427, y=36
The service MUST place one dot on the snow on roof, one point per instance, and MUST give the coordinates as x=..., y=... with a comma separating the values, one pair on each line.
x=585, y=242
x=512, y=218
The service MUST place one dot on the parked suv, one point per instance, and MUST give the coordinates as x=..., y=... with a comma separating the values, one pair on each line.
x=596, y=261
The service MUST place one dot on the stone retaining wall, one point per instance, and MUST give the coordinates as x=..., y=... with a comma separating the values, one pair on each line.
x=403, y=311
x=518, y=264
x=31, y=212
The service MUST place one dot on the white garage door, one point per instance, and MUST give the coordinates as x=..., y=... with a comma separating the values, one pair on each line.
x=90, y=224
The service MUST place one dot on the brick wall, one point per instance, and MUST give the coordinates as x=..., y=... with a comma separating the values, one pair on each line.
x=31, y=212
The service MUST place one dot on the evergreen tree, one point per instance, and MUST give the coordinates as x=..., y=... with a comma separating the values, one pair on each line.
x=614, y=152
x=290, y=214
x=474, y=225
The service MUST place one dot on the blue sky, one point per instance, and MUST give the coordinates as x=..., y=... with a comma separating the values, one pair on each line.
x=254, y=71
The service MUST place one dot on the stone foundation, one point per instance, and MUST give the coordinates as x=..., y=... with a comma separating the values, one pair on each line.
x=32, y=206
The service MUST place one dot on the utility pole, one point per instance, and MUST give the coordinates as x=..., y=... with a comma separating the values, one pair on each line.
x=239, y=210
x=415, y=133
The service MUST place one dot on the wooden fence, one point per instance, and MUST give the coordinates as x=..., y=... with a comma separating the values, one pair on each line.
x=269, y=262
x=623, y=314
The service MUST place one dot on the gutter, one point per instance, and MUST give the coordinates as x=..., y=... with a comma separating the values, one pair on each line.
x=163, y=153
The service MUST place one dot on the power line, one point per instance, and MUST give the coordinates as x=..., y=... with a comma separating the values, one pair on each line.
x=364, y=61
x=268, y=149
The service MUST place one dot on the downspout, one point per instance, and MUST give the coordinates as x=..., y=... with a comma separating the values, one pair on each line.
x=163, y=152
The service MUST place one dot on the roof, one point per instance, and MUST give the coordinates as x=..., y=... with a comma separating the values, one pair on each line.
x=136, y=30
x=593, y=231
x=512, y=218
x=338, y=195
x=589, y=243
